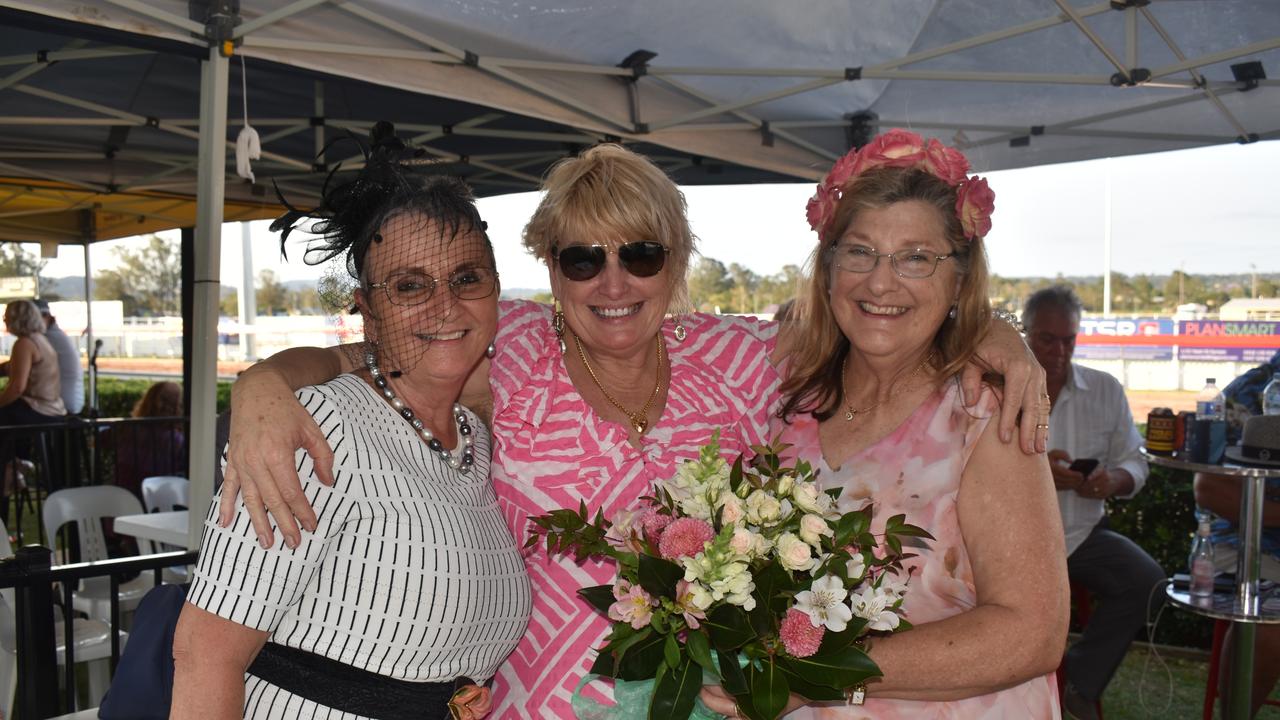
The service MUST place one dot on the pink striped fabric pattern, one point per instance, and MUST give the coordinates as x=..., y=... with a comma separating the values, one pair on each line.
x=551, y=450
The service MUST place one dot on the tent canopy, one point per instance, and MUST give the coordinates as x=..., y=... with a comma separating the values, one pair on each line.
x=103, y=96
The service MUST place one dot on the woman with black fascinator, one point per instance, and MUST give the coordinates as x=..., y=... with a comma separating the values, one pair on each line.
x=411, y=591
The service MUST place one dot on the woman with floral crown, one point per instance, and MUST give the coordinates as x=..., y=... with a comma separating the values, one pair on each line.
x=593, y=400
x=896, y=305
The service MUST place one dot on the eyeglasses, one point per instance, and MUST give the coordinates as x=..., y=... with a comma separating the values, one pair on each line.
x=909, y=263
x=583, y=262
x=410, y=288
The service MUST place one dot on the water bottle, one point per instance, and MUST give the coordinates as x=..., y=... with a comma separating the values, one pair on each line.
x=1201, y=561
x=1209, y=402
x=1271, y=396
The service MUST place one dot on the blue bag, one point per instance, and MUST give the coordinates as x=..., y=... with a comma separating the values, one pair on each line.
x=142, y=688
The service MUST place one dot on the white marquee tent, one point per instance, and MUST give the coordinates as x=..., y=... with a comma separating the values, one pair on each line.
x=778, y=88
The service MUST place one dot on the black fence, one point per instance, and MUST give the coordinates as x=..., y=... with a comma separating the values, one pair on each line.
x=39, y=589
x=36, y=460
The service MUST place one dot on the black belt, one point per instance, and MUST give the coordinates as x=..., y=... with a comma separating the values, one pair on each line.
x=349, y=689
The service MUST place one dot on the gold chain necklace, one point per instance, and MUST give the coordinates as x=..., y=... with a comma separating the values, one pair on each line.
x=850, y=413
x=639, y=420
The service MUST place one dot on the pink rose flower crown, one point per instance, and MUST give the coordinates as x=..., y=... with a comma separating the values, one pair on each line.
x=904, y=149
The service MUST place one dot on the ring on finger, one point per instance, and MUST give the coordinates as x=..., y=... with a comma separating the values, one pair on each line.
x=1042, y=426
x=737, y=711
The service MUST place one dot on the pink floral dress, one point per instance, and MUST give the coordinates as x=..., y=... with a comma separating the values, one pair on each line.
x=916, y=470
x=551, y=450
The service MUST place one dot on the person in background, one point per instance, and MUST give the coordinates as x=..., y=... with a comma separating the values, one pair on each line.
x=34, y=393
x=1221, y=496
x=147, y=449
x=69, y=370
x=1094, y=453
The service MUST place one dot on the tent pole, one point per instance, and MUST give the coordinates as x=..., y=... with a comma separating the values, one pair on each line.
x=248, y=297
x=1106, y=241
x=204, y=347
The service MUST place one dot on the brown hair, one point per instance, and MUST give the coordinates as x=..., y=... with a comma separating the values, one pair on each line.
x=162, y=399
x=611, y=193
x=817, y=346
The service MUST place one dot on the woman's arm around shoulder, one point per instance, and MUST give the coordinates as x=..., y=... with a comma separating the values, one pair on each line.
x=1012, y=531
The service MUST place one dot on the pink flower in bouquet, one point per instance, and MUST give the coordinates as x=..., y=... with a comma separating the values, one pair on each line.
x=685, y=537
x=974, y=204
x=654, y=523
x=625, y=530
x=799, y=636
x=634, y=605
x=684, y=602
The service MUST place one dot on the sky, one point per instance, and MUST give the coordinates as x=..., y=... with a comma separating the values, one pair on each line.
x=1206, y=210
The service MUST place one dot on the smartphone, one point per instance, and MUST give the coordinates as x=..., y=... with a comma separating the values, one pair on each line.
x=1084, y=466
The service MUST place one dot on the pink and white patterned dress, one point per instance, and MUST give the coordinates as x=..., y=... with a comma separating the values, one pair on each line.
x=551, y=450
x=916, y=470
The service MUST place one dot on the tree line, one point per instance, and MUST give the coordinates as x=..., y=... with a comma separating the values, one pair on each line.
x=148, y=279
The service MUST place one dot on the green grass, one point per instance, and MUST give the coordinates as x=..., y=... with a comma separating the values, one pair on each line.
x=1177, y=694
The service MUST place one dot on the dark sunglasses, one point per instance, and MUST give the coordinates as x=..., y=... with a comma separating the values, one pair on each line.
x=583, y=262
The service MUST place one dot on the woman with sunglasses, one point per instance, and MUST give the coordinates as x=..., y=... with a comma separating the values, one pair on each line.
x=593, y=400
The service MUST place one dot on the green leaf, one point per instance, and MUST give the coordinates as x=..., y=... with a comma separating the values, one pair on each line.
x=599, y=597
x=834, y=641
x=771, y=583
x=728, y=627
x=699, y=649
x=735, y=474
x=804, y=686
x=841, y=668
x=659, y=577
x=732, y=678
x=849, y=527
x=675, y=691
x=605, y=664
x=671, y=652
x=769, y=689
x=640, y=660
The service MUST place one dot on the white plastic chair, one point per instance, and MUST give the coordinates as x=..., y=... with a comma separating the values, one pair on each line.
x=91, y=642
x=87, y=507
x=165, y=493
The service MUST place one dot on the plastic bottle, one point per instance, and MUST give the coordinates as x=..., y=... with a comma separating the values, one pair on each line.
x=1200, y=561
x=1209, y=403
x=1271, y=396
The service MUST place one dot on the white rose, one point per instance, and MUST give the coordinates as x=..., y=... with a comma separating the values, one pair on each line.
x=812, y=528
x=785, y=483
x=763, y=508
x=734, y=509
x=742, y=542
x=810, y=499
x=794, y=553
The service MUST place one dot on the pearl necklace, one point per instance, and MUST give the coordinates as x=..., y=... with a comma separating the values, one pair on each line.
x=465, y=460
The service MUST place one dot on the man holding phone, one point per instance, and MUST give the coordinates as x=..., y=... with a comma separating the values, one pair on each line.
x=1094, y=453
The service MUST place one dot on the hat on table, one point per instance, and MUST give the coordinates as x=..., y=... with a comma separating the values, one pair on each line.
x=1260, y=445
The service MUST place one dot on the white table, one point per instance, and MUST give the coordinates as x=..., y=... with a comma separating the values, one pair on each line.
x=169, y=528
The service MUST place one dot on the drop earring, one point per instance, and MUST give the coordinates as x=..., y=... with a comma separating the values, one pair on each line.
x=951, y=314
x=557, y=324
x=490, y=351
x=681, y=333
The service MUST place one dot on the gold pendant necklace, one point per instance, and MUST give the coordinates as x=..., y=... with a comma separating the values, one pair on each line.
x=850, y=413
x=639, y=420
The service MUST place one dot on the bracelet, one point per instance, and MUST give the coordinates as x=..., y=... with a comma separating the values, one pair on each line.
x=1011, y=318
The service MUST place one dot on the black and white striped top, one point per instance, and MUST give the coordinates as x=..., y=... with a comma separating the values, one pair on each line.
x=411, y=572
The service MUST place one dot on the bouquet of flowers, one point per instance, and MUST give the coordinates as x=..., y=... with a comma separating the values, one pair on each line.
x=745, y=573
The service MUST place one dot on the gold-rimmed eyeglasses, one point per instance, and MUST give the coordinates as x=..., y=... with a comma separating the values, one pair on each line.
x=409, y=287
x=914, y=263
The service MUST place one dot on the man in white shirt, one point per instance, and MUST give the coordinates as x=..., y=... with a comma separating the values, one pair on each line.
x=69, y=370
x=1094, y=455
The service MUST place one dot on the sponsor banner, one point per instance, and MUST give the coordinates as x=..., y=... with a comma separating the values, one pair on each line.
x=1232, y=354
x=1124, y=352
x=1126, y=326
x=1226, y=328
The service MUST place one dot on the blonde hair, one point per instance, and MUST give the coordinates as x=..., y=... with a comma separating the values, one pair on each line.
x=819, y=348
x=608, y=194
x=162, y=399
x=25, y=318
